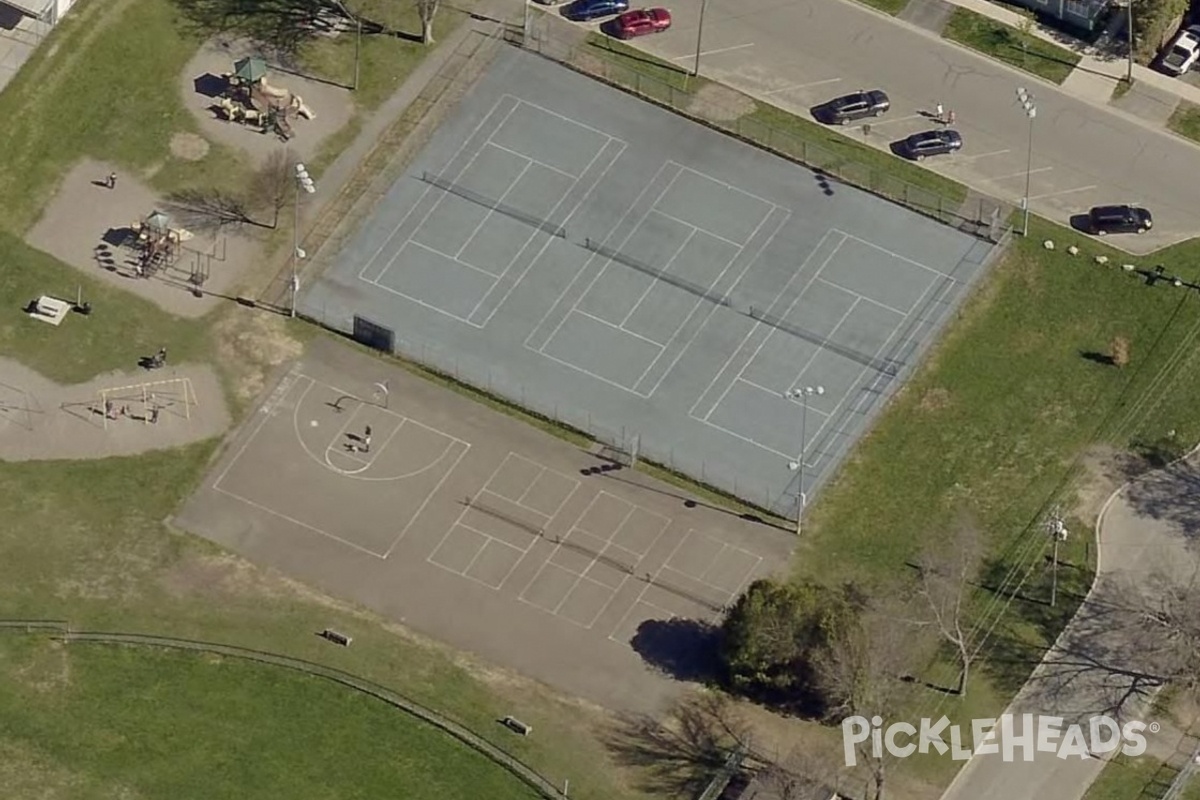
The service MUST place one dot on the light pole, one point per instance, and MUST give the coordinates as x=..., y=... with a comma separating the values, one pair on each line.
x=802, y=395
x=699, y=37
x=1058, y=533
x=303, y=181
x=1129, y=39
x=1027, y=104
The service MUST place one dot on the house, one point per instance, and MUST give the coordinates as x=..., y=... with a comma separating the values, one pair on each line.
x=23, y=25
x=1084, y=14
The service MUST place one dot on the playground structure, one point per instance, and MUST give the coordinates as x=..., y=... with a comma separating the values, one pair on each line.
x=250, y=100
x=157, y=242
x=173, y=396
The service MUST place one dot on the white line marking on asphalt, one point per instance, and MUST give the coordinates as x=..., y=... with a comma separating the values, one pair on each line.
x=1064, y=191
x=714, y=52
x=980, y=155
x=1020, y=174
x=875, y=122
x=801, y=86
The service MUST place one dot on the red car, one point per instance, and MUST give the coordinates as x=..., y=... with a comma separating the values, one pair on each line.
x=641, y=22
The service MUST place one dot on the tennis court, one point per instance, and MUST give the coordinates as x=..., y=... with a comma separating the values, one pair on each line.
x=648, y=280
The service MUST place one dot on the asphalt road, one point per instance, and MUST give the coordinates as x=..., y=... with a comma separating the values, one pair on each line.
x=798, y=53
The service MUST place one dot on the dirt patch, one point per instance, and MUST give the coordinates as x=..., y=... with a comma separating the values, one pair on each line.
x=251, y=345
x=720, y=103
x=1105, y=469
x=205, y=575
x=935, y=399
x=189, y=146
x=48, y=669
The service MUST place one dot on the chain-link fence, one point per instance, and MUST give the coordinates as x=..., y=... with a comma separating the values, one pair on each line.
x=666, y=85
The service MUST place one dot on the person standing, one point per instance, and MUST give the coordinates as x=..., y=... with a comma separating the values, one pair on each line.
x=367, y=440
x=940, y=112
x=112, y=180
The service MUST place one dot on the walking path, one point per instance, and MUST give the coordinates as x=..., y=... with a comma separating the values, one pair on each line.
x=1106, y=660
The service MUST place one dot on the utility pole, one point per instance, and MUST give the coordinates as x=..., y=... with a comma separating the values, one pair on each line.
x=699, y=37
x=1129, y=39
x=1058, y=534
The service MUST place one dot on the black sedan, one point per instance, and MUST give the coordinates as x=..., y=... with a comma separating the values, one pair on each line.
x=860, y=105
x=931, y=143
x=584, y=10
x=1119, y=219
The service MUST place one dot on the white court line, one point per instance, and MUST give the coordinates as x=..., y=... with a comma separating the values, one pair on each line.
x=566, y=220
x=654, y=280
x=493, y=276
x=425, y=502
x=788, y=310
x=492, y=210
x=594, y=256
x=474, y=132
x=1064, y=191
x=563, y=117
x=604, y=270
x=589, y=373
x=775, y=393
x=649, y=583
x=661, y=532
x=729, y=186
x=1020, y=174
x=544, y=469
x=617, y=327
x=800, y=375
x=895, y=255
x=825, y=82
x=714, y=52
x=420, y=302
x=355, y=474
x=577, y=526
x=543, y=164
x=860, y=296
x=705, y=231
x=374, y=454
x=787, y=215
x=297, y=522
x=755, y=327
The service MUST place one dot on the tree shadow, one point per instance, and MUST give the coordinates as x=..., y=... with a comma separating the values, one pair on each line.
x=1171, y=494
x=680, y=754
x=282, y=25
x=685, y=649
x=1098, y=358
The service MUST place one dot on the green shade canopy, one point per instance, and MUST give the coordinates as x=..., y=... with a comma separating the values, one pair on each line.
x=158, y=222
x=250, y=70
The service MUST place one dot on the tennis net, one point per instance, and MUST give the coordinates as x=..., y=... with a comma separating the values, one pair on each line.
x=877, y=364
x=654, y=272
x=458, y=190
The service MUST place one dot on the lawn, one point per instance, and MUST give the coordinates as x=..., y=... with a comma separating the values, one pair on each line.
x=892, y=7
x=1006, y=43
x=995, y=423
x=219, y=728
x=1126, y=778
x=1185, y=120
x=799, y=138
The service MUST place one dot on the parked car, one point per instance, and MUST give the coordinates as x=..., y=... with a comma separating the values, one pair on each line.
x=851, y=107
x=1183, y=53
x=1119, y=219
x=641, y=22
x=932, y=143
x=584, y=10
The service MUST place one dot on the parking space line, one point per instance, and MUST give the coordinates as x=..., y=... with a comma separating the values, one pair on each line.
x=801, y=86
x=686, y=56
x=958, y=158
x=1064, y=191
x=1020, y=174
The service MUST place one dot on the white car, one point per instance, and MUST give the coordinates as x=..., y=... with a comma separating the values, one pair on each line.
x=1184, y=51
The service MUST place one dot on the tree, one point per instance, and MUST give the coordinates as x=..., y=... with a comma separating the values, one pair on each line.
x=426, y=10
x=864, y=672
x=947, y=570
x=1119, y=348
x=1170, y=613
x=272, y=185
x=209, y=209
x=773, y=635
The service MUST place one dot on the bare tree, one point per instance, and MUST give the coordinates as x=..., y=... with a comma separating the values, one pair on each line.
x=1170, y=613
x=273, y=185
x=947, y=570
x=865, y=672
x=209, y=209
x=427, y=10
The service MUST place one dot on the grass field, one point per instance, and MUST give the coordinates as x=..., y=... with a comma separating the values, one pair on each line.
x=1005, y=43
x=1126, y=778
x=219, y=728
x=1185, y=120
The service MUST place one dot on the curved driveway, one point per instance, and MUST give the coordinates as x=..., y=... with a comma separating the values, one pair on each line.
x=797, y=53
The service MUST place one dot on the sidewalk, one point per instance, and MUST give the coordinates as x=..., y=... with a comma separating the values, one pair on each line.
x=1096, y=75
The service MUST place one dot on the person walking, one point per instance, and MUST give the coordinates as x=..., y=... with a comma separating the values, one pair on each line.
x=940, y=112
x=950, y=117
x=367, y=440
x=112, y=180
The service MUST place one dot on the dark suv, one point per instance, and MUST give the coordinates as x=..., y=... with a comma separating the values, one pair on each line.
x=1119, y=219
x=847, y=109
x=584, y=10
